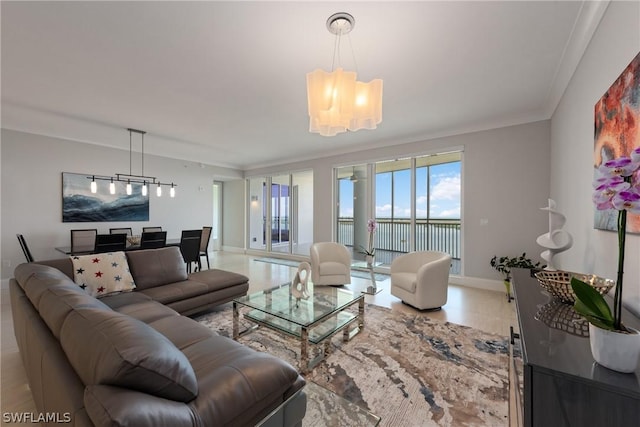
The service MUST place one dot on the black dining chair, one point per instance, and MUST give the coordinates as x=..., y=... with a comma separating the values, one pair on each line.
x=153, y=239
x=125, y=230
x=150, y=229
x=190, y=248
x=25, y=248
x=110, y=243
x=83, y=241
x=204, y=245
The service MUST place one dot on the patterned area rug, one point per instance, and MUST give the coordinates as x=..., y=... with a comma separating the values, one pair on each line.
x=408, y=369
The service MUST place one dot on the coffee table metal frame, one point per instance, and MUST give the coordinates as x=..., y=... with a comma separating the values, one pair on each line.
x=281, y=317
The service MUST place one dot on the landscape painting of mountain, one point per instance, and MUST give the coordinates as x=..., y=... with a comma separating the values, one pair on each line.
x=80, y=205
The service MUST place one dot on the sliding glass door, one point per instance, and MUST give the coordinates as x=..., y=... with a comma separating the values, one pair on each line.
x=415, y=201
x=280, y=199
x=281, y=213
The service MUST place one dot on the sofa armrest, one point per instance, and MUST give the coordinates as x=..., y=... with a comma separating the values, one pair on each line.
x=115, y=406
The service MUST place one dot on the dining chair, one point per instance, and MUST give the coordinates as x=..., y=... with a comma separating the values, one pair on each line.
x=25, y=248
x=83, y=240
x=151, y=229
x=128, y=231
x=204, y=245
x=110, y=243
x=153, y=239
x=190, y=248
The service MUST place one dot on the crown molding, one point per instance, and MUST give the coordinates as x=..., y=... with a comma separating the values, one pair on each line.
x=591, y=13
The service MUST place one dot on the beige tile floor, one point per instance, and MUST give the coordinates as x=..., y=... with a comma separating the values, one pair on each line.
x=481, y=309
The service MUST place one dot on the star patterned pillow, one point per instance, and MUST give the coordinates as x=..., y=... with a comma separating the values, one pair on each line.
x=102, y=274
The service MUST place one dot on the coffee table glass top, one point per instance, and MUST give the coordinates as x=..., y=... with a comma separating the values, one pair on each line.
x=323, y=302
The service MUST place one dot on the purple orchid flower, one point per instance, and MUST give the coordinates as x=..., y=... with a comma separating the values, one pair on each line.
x=628, y=200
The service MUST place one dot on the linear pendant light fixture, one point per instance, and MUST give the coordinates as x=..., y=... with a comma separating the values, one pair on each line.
x=337, y=101
x=130, y=178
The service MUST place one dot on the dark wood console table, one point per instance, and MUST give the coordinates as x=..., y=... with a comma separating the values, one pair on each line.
x=563, y=385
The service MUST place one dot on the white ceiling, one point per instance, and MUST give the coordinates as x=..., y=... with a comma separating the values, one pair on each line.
x=223, y=83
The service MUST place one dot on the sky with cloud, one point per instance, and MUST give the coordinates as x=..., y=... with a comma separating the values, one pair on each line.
x=442, y=199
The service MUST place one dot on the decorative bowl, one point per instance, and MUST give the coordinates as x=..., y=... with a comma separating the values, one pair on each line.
x=558, y=283
x=133, y=240
x=558, y=315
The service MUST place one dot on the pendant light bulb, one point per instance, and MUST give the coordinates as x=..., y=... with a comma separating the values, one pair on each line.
x=159, y=190
x=144, y=188
x=94, y=185
x=172, y=191
x=129, y=189
x=112, y=187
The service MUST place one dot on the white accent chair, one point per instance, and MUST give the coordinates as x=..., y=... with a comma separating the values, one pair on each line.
x=330, y=264
x=421, y=279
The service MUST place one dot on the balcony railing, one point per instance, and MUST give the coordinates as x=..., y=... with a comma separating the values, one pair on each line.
x=394, y=235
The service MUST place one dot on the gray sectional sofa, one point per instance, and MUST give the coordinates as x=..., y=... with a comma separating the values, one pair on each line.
x=131, y=358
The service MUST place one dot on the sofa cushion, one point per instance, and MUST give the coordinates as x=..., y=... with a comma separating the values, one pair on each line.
x=110, y=348
x=35, y=280
x=218, y=279
x=113, y=406
x=58, y=301
x=238, y=382
x=156, y=267
x=102, y=274
x=176, y=291
x=182, y=331
x=63, y=264
x=117, y=301
x=148, y=311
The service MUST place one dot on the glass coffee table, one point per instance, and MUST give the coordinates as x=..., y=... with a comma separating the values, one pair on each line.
x=313, y=320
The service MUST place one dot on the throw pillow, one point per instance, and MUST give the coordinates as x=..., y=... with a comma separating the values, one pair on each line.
x=102, y=274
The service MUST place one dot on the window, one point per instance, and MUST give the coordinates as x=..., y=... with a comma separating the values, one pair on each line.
x=416, y=203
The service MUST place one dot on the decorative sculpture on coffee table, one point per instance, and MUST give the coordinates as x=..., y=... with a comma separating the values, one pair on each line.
x=556, y=240
x=299, y=284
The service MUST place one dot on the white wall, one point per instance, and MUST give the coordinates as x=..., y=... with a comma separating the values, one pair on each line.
x=615, y=43
x=32, y=167
x=505, y=181
x=233, y=219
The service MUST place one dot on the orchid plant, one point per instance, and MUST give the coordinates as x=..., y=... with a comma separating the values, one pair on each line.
x=371, y=229
x=618, y=188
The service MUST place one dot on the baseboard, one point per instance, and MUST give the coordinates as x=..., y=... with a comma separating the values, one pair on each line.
x=476, y=282
x=471, y=282
x=290, y=257
x=233, y=249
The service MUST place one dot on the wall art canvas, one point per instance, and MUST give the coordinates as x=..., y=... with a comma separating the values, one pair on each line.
x=617, y=133
x=80, y=205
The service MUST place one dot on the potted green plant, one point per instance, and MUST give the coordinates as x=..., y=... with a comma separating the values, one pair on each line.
x=613, y=345
x=504, y=265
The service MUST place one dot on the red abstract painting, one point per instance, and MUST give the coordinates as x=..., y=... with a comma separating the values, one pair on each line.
x=617, y=133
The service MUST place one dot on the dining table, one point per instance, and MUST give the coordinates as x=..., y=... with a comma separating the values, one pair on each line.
x=85, y=251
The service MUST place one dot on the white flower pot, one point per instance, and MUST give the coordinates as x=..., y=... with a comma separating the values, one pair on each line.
x=615, y=350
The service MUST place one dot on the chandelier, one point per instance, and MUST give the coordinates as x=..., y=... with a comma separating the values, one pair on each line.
x=130, y=178
x=337, y=101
